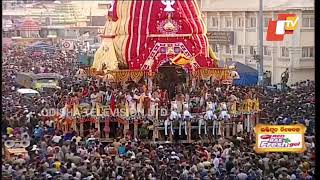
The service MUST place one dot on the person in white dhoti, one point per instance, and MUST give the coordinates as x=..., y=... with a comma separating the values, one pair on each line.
x=239, y=127
x=180, y=100
x=167, y=123
x=131, y=104
x=213, y=106
x=140, y=99
x=184, y=122
x=155, y=99
x=224, y=115
x=209, y=117
x=174, y=116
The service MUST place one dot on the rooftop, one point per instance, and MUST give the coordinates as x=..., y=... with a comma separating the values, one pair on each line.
x=85, y=8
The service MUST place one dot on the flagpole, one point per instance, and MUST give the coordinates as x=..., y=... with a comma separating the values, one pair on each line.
x=260, y=59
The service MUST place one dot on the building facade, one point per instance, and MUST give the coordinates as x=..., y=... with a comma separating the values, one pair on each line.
x=64, y=20
x=237, y=24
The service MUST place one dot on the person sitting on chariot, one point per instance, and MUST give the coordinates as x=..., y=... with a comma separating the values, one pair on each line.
x=174, y=117
x=208, y=117
x=224, y=115
x=186, y=117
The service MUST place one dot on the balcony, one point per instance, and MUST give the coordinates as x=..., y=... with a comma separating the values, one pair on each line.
x=306, y=63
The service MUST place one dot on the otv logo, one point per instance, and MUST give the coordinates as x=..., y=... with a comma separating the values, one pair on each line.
x=285, y=24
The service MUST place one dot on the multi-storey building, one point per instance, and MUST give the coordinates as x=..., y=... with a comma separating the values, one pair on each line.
x=61, y=19
x=239, y=22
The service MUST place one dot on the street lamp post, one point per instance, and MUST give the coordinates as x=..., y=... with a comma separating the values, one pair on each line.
x=260, y=60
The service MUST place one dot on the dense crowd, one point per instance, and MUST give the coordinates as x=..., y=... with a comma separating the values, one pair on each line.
x=54, y=154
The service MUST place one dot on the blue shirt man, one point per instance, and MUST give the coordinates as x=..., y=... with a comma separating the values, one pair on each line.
x=122, y=149
x=38, y=132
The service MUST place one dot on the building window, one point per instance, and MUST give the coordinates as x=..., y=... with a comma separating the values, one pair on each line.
x=311, y=22
x=308, y=52
x=266, y=51
x=308, y=22
x=228, y=22
x=240, y=49
x=284, y=52
x=215, y=48
x=214, y=22
x=251, y=22
x=266, y=21
x=240, y=22
x=228, y=49
x=252, y=51
x=305, y=22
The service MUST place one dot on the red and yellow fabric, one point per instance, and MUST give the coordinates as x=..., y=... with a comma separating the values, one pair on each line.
x=248, y=105
x=234, y=108
x=125, y=75
x=137, y=32
x=256, y=106
x=181, y=60
x=217, y=73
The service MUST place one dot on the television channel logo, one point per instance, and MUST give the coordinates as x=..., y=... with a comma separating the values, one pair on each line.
x=285, y=24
